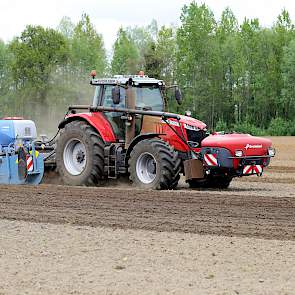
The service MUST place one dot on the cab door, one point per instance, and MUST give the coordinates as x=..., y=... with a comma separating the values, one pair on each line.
x=114, y=118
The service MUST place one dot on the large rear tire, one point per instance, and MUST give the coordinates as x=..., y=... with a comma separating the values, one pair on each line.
x=154, y=164
x=80, y=154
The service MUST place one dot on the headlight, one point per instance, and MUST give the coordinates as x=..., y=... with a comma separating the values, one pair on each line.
x=239, y=153
x=271, y=151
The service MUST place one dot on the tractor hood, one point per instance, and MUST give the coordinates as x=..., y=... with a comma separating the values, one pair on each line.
x=187, y=122
x=192, y=123
x=250, y=145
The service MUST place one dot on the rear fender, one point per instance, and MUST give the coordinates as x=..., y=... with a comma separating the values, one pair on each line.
x=96, y=120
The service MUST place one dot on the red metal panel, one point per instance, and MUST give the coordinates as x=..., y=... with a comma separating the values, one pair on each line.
x=99, y=122
x=250, y=145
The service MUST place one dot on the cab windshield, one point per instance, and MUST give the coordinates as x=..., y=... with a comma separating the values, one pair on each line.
x=149, y=96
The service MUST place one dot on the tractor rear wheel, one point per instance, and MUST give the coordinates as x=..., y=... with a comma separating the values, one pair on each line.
x=80, y=154
x=154, y=164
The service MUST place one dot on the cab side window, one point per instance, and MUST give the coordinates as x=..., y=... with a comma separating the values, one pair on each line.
x=107, y=97
x=96, y=96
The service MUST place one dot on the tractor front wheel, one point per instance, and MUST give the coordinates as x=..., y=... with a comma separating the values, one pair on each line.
x=80, y=154
x=154, y=164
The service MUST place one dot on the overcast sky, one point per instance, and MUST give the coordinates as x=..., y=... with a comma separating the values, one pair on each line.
x=109, y=15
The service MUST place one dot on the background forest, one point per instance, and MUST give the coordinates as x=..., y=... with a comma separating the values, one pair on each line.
x=233, y=76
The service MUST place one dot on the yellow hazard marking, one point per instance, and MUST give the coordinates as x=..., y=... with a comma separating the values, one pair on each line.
x=36, y=153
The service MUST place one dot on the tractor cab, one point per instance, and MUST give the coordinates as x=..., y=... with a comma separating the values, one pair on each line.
x=148, y=93
x=138, y=92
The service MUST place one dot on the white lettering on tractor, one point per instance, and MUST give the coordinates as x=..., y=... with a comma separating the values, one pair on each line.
x=171, y=122
x=191, y=127
x=255, y=146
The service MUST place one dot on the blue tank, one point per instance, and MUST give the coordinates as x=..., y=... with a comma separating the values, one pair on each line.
x=7, y=132
x=10, y=130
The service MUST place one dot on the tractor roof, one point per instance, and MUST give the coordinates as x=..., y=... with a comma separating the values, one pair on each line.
x=123, y=79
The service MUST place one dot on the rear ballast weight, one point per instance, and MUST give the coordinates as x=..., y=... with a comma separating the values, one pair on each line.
x=128, y=131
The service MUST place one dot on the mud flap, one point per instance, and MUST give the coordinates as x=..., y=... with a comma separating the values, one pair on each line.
x=193, y=169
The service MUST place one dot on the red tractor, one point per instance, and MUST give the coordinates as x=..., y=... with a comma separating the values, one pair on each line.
x=126, y=131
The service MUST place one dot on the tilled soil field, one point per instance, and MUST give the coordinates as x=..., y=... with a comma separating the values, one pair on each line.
x=253, y=206
x=238, y=212
x=118, y=239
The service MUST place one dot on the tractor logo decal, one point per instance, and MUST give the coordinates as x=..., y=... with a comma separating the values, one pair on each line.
x=191, y=127
x=255, y=146
x=211, y=159
x=171, y=122
x=252, y=169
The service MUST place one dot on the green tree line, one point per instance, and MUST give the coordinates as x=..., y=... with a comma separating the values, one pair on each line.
x=233, y=76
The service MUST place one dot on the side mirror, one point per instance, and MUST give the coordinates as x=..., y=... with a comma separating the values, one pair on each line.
x=178, y=96
x=116, y=94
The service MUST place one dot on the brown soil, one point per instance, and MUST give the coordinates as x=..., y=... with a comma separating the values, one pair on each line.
x=54, y=259
x=203, y=212
x=121, y=240
x=253, y=206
